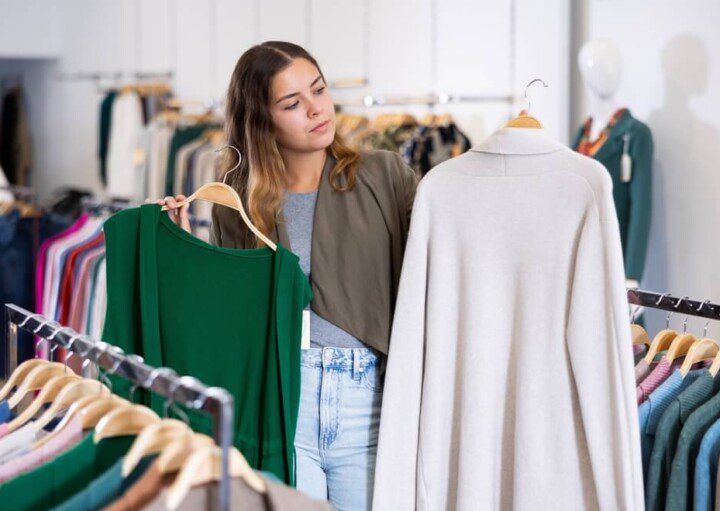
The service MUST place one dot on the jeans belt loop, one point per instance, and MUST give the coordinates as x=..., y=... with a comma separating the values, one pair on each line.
x=357, y=371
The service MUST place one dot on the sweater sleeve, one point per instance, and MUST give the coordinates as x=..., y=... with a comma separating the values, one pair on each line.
x=641, y=152
x=396, y=473
x=599, y=347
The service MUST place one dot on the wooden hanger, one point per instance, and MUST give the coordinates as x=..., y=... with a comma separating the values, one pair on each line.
x=49, y=391
x=639, y=335
x=680, y=346
x=661, y=342
x=36, y=378
x=84, y=387
x=220, y=193
x=126, y=420
x=203, y=466
x=524, y=120
x=153, y=439
x=704, y=349
x=19, y=375
x=174, y=454
x=715, y=366
x=75, y=410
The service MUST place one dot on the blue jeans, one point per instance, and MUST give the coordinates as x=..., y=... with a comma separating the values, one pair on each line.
x=338, y=422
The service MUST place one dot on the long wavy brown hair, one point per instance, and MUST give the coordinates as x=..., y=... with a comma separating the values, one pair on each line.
x=260, y=179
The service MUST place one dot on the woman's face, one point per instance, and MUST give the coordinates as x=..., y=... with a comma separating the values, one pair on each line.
x=302, y=108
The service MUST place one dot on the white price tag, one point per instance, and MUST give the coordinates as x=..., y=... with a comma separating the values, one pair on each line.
x=305, y=342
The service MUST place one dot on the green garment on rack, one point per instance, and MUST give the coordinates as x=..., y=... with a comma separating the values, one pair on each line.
x=183, y=135
x=633, y=199
x=106, y=487
x=50, y=484
x=105, y=123
x=230, y=317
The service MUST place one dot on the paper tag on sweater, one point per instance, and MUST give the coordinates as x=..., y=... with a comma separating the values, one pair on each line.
x=305, y=342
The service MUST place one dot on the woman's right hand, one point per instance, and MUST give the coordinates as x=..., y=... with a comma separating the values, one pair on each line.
x=176, y=212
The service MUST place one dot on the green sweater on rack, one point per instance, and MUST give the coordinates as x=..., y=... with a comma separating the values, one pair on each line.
x=633, y=199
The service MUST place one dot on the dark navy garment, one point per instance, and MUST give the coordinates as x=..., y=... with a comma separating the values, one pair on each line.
x=20, y=239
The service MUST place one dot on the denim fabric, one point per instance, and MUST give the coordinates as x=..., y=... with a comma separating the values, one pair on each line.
x=19, y=240
x=338, y=422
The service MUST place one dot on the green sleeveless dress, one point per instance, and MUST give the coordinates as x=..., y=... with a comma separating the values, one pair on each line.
x=230, y=317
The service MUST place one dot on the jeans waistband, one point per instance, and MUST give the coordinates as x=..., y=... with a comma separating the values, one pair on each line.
x=341, y=358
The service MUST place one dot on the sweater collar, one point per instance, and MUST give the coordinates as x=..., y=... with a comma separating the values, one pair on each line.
x=519, y=141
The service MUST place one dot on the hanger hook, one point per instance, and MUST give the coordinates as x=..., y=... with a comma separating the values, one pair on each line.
x=634, y=314
x=170, y=403
x=707, y=323
x=74, y=336
x=134, y=359
x=676, y=306
x=114, y=368
x=238, y=163
x=667, y=319
x=28, y=318
x=545, y=85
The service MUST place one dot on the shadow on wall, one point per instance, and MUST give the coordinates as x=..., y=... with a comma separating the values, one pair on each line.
x=684, y=244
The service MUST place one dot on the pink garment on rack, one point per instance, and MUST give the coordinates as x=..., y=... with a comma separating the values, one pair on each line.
x=78, y=300
x=656, y=377
x=40, y=269
x=4, y=429
x=69, y=436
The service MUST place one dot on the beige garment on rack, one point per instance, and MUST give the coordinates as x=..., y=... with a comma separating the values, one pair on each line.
x=181, y=165
x=156, y=142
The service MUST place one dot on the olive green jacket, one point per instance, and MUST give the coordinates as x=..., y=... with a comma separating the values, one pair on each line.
x=357, y=247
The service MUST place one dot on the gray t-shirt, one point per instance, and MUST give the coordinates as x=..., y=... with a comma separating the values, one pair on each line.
x=299, y=210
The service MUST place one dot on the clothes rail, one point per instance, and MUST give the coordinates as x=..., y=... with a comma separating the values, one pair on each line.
x=427, y=99
x=186, y=390
x=117, y=75
x=681, y=305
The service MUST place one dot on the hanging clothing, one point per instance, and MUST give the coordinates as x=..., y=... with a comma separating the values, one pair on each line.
x=156, y=145
x=15, y=145
x=182, y=135
x=170, y=293
x=680, y=486
x=19, y=240
x=64, y=475
x=633, y=196
x=652, y=410
x=105, y=122
x=706, y=469
x=666, y=437
x=354, y=233
x=123, y=148
x=429, y=146
x=510, y=378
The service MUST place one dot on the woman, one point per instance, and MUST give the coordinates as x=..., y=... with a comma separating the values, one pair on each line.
x=346, y=216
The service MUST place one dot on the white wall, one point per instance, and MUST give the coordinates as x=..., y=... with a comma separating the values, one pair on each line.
x=390, y=42
x=671, y=80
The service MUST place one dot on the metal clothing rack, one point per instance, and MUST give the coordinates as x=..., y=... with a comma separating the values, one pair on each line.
x=682, y=305
x=431, y=99
x=186, y=390
x=114, y=76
